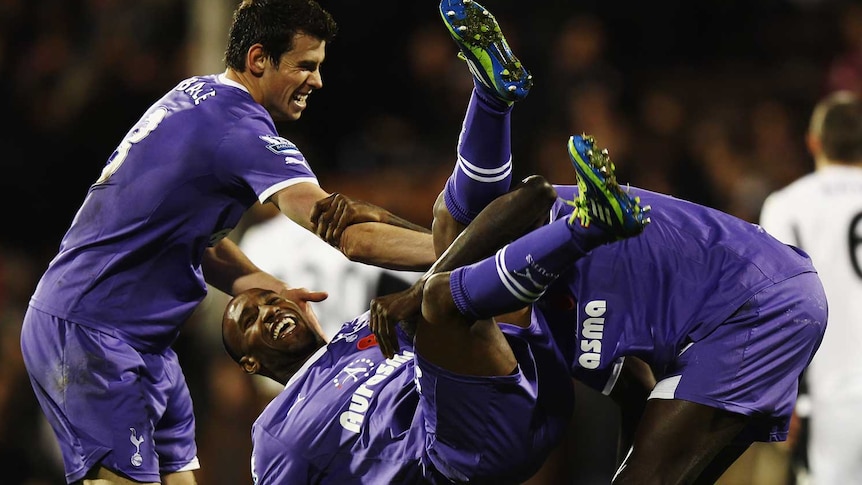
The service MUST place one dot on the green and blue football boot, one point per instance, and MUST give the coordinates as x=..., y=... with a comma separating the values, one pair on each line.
x=483, y=46
x=601, y=200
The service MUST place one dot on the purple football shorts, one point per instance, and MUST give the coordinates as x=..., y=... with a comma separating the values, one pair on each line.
x=108, y=403
x=476, y=425
x=751, y=364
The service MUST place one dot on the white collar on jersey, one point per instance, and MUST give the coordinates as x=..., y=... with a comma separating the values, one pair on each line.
x=306, y=365
x=224, y=80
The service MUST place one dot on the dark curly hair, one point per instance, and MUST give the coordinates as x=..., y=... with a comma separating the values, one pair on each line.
x=273, y=24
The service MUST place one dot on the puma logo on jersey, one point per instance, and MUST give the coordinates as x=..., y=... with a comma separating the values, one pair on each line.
x=527, y=283
x=591, y=332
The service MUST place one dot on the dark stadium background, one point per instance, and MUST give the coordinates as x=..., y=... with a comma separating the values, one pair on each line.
x=707, y=100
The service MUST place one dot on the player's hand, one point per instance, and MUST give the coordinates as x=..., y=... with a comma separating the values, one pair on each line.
x=388, y=310
x=303, y=298
x=332, y=215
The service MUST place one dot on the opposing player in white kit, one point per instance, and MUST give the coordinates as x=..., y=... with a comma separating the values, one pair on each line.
x=822, y=213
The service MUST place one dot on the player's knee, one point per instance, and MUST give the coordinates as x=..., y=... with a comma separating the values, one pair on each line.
x=438, y=307
x=540, y=189
x=444, y=228
x=536, y=195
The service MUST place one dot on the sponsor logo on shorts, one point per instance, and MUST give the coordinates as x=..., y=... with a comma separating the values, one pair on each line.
x=137, y=459
x=351, y=420
x=591, y=331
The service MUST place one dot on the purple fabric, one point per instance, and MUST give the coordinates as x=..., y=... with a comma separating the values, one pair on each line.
x=518, y=274
x=130, y=264
x=483, y=170
x=649, y=296
x=353, y=415
x=751, y=364
x=120, y=399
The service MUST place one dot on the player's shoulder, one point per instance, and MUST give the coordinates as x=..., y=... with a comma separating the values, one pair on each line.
x=804, y=186
x=219, y=97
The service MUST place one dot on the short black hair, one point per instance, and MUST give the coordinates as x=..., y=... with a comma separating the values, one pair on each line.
x=273, y=24
x=837, y=121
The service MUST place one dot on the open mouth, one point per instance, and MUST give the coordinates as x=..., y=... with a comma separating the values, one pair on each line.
x=283, y=326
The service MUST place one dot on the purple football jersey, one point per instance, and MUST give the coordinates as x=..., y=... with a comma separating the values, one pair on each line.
x=652, y=294
x=130, y=264
x=349, y=415
x=698, y=291
x=349, y=412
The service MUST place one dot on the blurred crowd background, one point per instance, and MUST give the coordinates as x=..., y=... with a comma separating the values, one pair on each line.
x=706, y=100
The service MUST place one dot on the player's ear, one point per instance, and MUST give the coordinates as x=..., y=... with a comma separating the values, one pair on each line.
x=249, y=364
x=812, y=142
x=256, y=59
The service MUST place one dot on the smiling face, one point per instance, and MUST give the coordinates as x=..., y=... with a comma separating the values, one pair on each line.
x=285, y=88
x=268, y=334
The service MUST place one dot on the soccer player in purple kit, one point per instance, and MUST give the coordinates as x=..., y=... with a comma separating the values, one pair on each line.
x=150, y=234
x=726, y=315
x=348, y=415
x=463, y=401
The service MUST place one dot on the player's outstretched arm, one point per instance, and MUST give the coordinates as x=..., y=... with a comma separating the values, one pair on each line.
x=228, y=269
x=375, y=242
x=332, y=215
x=503, y=220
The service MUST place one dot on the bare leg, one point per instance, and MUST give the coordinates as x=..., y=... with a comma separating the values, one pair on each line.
x=508, y=217
x=678, y=441
x=179, y=478
x=100, y=475
x=721, y=463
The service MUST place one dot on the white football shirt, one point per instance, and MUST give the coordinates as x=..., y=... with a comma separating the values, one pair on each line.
x=822, y=214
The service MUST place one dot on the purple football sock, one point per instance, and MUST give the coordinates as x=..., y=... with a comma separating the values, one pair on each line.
x=521, y=271
x=483, y=171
